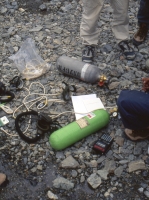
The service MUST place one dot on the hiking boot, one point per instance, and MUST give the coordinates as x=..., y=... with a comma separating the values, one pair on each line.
x=136, y=135
x=88, y=54
x=127, y=50
x=140, y=35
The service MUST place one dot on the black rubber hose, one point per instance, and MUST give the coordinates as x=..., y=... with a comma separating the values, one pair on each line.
x=21, y=134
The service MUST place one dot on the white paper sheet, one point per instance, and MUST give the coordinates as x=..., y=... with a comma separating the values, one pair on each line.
x=85, y=103
x=92, y=104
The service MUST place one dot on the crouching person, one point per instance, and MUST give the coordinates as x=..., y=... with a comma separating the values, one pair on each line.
x=134, y=110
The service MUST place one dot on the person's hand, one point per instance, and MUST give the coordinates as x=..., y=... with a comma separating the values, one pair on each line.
x=145, y=84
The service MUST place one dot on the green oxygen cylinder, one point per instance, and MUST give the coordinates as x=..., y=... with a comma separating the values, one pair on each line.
x=79, y=129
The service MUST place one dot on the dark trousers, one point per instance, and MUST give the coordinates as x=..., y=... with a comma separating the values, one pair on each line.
x=143, y=13
x=134, y=109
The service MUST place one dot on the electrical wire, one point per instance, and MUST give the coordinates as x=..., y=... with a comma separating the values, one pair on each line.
x=43, y=96
x=6, y=132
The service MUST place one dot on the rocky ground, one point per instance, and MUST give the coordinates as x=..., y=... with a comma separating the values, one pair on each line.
x=36, y=171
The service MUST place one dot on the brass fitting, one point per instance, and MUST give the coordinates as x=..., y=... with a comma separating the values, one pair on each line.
x=102, y=80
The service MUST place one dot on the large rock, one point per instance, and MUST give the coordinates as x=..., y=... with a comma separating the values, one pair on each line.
x=94, y=180
x=62, y=183
x=69, y=162
x=2, y=178
x=136, y=165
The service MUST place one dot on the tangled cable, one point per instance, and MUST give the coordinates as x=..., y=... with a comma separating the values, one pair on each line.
x=43, y=96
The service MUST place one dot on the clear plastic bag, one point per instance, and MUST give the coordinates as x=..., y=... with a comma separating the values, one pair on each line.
x=28, y=62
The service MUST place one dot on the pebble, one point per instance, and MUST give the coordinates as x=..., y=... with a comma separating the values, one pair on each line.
x=63, y=183
x=147, y=63
x=69, y=162
x=136, y=165
x=103, y=174
x=52, y=196
x=146, y=193
x=94, y=180
x=43, y=7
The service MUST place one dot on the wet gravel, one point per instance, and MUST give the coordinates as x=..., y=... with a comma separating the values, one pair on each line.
x=31, y=169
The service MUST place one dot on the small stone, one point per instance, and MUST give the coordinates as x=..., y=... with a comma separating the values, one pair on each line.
x=146, y=193
x=60, y=155
x=36, y=29
x=82, y=179
x=39, y=167
x=34, y=169
x=93, y=163
x=106, y=194
x=14, y=142
x=94, y=180
x=136, y=165
x=57, y=41
x=118, y=171
x=101, y=159
x=131, y=157
x=122, y=162
x=69, y=162
x=3, y=10
x=119, y=141
x=124, y=151
x=110, y=166
x=21, y=10
x=141, y=190
x=119, y=132
x=16, y=49
x=144, y=51
x=103, y=174
x=147, y=63
x=113, y=85
x=2, y=178
x=43, y=7
x=74, y=173
x=63, y=183
x=52, y=196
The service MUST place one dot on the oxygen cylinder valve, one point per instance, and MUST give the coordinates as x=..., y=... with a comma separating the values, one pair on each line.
x=102, y=80
x=114, y=112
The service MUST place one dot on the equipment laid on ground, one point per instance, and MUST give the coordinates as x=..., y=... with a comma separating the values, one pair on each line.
x=39, y=121
x=6, y=109
x=5, y=95
x=79, y=129
x=3, y=121
x=16, y=83
x=103, y=144
x=80, y=70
